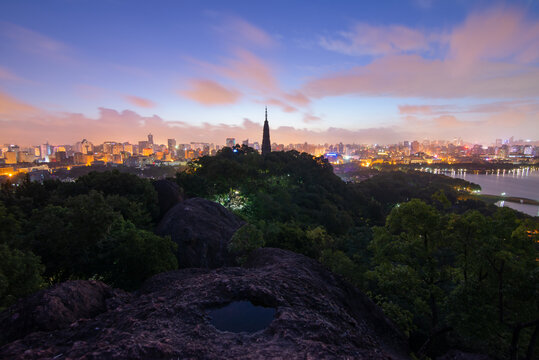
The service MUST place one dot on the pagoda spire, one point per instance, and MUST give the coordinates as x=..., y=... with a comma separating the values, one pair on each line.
x=266, y=144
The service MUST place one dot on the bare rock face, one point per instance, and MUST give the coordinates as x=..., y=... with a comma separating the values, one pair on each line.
x=202, y=230
x=56, y=308
x=317, y=316
x=461, y=355
x=168, y=195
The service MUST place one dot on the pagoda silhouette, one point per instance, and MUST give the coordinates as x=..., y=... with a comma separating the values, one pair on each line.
x=266, y=144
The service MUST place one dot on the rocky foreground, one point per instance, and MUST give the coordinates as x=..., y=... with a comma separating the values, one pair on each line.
x=317, y=316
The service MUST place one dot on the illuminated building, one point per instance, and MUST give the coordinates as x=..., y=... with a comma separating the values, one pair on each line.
x=10, y=157
x=230, y=142
x=128, y=148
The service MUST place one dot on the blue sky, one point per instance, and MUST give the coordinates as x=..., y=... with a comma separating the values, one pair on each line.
x=352, y=71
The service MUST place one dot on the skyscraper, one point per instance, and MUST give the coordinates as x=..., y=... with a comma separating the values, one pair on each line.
x=266, y=144
x=150, y=139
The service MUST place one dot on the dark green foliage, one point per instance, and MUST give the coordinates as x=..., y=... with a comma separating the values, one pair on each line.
x=474, y=274
x=285, y=187
x=96, y=227
x=138, y=254
x=20, y=274
x=244, y=241
x=451, y=271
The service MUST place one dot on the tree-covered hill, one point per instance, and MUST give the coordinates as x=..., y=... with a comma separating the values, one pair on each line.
x=450, y=272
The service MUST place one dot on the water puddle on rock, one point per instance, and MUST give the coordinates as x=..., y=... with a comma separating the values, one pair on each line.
x=241, y=316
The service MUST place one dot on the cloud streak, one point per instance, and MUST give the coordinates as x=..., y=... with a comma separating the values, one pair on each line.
x=140, y=102
x=35, y=43
x=493, y=54
x=208, y=92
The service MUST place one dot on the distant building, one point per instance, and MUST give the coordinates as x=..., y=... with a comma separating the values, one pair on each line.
x=230, y=142
x=10, y=157
x=415, y=147
x=143, y=145
x=266, y=144
x=171, y=144
x=128, y=148
x=46, y=151
x=84, y=147
x=150, y=139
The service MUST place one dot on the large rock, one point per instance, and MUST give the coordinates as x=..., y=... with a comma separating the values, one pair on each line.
x=168, y=195
x=317, y=316
x=56, y=308
x=202, y=230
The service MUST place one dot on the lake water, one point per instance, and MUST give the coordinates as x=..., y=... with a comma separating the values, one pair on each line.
x=241, y=316
x=522, y=183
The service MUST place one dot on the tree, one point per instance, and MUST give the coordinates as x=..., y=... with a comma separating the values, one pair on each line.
x=244, y=241
x=137, y=255
x=408, y=268
x=20, y=274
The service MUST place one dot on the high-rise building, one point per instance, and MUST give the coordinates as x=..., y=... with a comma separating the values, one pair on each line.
x=266, y=144
x=46, y=150
x=10, y=157
x=150, y=139
x=171, y=144
x=230, y=142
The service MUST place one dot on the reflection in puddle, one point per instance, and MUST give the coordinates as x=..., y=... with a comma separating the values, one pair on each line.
x=241, y=316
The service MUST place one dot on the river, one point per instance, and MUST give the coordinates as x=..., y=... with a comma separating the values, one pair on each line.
x=522, y=183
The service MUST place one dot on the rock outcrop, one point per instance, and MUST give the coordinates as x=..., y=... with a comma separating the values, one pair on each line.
x=57, y=308
x=317, y=316
x=202, y=230
x=168, y=195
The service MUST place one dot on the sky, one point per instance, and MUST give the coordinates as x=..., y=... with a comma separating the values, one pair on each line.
x=328, y=71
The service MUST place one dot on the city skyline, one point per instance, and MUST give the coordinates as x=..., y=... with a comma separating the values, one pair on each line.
x=352, y=73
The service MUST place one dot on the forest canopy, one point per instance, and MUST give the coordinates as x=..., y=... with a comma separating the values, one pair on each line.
x=449, y=271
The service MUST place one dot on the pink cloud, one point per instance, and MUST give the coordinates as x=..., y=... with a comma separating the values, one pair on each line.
x=297, y=98
x=414, y=76
x=415, y=109
x=283, y=105
x=250, y=70
x=365, y=39
x=425, y=109
x=498, y=34
x=492, y=54
x=239, y=29
x=5, y=74
x=245, y=69
x=310, y=118
x=140, y=102
x=27, y=125
x=34, y=43
x=481, y=122
x=13, y=108
x=24, y=124
x=208, y=92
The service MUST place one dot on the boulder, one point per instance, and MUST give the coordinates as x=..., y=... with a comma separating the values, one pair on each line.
x=317, y=316
x=202, y=230
x=461, y=355
x=56, y=308
x=168, y=195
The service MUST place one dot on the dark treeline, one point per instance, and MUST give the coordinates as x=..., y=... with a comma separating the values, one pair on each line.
x=449, y=272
